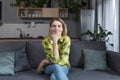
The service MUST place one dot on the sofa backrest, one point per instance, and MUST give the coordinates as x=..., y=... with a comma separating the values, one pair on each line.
x=12, y=45
x=35, y=53
x=76, y=56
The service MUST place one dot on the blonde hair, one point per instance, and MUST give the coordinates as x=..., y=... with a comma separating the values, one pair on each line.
x=63, y=25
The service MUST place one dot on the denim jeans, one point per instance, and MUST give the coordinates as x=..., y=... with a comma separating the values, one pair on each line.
x=56, y=72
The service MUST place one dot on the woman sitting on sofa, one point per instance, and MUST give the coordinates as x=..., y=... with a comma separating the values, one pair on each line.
x=57, y=48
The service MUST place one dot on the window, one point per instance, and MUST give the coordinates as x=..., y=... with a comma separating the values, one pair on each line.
x=108, y=16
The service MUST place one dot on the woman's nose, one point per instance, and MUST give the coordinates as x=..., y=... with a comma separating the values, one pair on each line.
x=56, y=27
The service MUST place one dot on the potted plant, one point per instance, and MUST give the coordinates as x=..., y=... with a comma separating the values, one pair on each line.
x=18, y=3
x=37, y=3
x=41, y=3
x=101, y=35
x=72, y=5
x=29, y=3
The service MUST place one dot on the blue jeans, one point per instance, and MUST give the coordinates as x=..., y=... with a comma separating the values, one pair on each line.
x=56, y=72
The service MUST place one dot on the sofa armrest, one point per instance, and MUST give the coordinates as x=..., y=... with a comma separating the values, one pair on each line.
x=113, y=60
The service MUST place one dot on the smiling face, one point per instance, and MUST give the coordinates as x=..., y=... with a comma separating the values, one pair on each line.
x=56, y=28
x=57, y=25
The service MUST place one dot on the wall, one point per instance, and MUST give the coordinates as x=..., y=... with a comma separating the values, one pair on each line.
x=12, y=30
x=9, y=16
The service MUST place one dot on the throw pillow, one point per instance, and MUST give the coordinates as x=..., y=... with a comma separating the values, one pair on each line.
x=21, y=60
x=95, y=59
x=7, y=63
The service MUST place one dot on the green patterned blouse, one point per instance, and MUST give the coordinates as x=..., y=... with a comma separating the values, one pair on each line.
x=63, y=47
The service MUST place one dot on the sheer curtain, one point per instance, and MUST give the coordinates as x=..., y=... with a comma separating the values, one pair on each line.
x=108, y=16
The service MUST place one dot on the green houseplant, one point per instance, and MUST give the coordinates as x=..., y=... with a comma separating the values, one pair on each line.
x=72, y=5
x=101, y=35
x=18, y=3
x=29, y=3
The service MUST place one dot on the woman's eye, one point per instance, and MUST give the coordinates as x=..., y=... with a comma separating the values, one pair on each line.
x=59, y=26
x=53, y=26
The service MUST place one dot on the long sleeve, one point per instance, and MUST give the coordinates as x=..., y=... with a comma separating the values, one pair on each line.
x=63, y=47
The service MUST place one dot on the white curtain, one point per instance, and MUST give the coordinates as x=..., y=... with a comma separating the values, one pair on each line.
x=108, y=16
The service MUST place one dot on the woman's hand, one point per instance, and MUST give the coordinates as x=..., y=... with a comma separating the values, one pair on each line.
x=40, y=68
x=55, y=37
x=43, y=62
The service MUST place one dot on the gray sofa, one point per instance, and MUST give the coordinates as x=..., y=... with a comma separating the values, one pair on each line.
x=34, y=53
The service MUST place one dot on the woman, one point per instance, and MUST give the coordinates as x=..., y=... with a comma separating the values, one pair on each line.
x=57, y=48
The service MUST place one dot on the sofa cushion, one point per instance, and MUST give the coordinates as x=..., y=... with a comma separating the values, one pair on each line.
x=76, y=57
x=21, y=60
x=35, y=53
x=7, y=63
x=79, y=74
x=95, y=59
x=26, y=75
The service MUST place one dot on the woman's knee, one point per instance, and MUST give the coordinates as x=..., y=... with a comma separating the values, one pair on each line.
x=57, y=66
